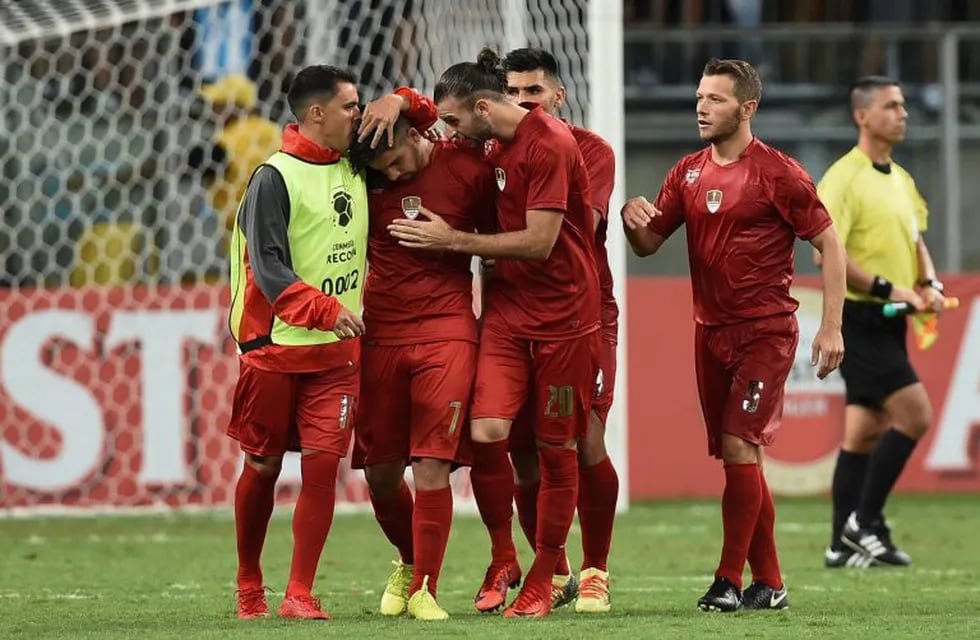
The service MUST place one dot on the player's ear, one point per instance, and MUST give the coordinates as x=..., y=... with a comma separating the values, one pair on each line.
x=560, y=97
x=413, y=135
x=482, y=108
x=749, y=107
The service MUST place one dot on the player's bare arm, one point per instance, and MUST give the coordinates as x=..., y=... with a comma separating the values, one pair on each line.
x=637, y=214
x=535, y=242
x=931, y=294
x=828, y=344
x=380, y=116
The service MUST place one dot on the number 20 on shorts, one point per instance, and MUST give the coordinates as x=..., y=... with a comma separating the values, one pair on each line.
x=561, y=402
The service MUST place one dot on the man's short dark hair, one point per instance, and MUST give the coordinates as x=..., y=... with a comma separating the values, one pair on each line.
x=470, y=81
x=317, y=81
x=748, y=86
x=864, y=87
x=531, y=59
x=360, y=153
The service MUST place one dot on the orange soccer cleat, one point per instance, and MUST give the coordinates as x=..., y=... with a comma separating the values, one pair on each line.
x=493, y=592
x=252, y=603
x=530, y=603
x=302, y=608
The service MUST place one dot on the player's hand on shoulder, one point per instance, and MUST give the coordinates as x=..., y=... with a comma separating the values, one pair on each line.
x=638, y=212
x=348, y=325
x=828, y=350
x=379, y=116
x=902, y=294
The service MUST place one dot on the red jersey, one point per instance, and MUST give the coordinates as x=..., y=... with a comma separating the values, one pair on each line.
x=542, y=168
x=413, y=296
x=742, y=221
x=600, y=164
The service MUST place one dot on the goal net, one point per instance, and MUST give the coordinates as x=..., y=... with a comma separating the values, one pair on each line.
x=130, y=128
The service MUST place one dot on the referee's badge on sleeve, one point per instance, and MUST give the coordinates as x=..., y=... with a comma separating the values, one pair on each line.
x=713, y=199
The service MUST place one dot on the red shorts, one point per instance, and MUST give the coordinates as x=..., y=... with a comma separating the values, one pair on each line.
x=521, y=432
x=556, y=378
x=277, y=412
x=742, y=371
x=418, y=408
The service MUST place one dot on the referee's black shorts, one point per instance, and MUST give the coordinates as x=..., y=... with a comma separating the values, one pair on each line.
x=876, y=359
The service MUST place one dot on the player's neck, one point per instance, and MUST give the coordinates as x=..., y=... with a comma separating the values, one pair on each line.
x=316, y=136
x=509, y=117
x=730, y=150
x=879, y=151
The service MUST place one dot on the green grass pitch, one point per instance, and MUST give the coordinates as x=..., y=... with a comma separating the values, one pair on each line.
x=172, y=577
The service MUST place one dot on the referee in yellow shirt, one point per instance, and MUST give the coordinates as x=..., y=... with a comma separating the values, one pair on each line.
x=880, y=216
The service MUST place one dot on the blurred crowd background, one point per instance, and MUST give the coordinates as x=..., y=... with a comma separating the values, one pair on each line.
x=131, y=128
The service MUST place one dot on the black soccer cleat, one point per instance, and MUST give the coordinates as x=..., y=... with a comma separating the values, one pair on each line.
x=721, y=596
x=846, y=557
x=761, y=596
x=875, y=541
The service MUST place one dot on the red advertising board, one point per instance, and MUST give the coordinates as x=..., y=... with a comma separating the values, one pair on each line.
x=120, y=397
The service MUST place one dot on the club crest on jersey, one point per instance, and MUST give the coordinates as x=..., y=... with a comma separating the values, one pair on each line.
x=692, y=175
x=411, y=206
x=501, y=178
x=713, y=199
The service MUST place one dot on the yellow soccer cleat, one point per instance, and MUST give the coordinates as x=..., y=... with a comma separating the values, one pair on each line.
x=564, y=589
x=395, y=598
x=423, y=606
x=593, y=591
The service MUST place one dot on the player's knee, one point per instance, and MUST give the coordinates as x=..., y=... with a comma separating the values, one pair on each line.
x=430, y=474
x=266, y=466
x=917, y=424
x=384, y=480
x=592, y=448
x=486, y=430
x=735, y=450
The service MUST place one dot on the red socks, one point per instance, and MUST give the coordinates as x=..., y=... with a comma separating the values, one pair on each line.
x=493, y=489
x=740, y=506
x=430, y=526
x=763, y=558
x=312, y=519
x=556, y=509
x=255, y=497
x=394, y=514
x=597, y=494
x=526, y=497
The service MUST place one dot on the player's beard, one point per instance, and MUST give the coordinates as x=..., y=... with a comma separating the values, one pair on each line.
x=725, y=129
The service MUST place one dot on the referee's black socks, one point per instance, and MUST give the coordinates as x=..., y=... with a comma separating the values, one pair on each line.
x=885, y=465
x=849, y=475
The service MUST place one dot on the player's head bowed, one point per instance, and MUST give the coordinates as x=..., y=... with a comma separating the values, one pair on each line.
x=400, y=161
x=466, y=93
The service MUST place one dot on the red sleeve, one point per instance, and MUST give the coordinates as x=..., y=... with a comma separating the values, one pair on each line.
x=670, y=201
x=795, y=198
x=422, y=111
x=601, y=167
x=550, y=175
x=302, y=305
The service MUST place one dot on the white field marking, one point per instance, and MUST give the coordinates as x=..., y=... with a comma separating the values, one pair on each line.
x=670, y=529
x=190, y=586
x=801, y=527
x=704, y=510
x=36, y=539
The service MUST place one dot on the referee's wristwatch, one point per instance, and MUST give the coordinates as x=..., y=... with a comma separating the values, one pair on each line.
x=933, y=283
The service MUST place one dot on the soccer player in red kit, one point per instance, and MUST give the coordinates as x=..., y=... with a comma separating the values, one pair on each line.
x=420, y=350
x=532, y=76
x=540, y=325
x=744, y=204
x=299, y=344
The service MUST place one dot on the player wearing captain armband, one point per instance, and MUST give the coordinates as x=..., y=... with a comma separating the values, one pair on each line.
x=881, y=217
x=298, y=262
x=744, y=204
x=419, y=353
